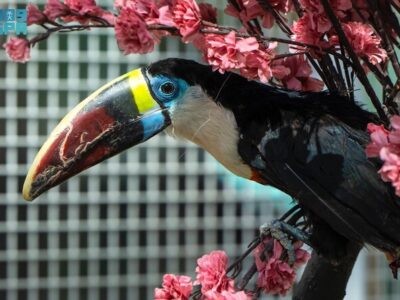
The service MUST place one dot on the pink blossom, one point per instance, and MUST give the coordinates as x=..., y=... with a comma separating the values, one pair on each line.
x=243, y=15
x=319, y=23
x=313, y=6
x=174, y=288
x=275, y=275
x=316, y=7
x=305, y=32
x=394, y=135
x=222, y=53
x=390, y=171
x=379, y=139
x=250, y=9
x=186, y=16
x=118, y=4
x=166, y=17
x=35, y=15
x=257, y=65
x=302, y=256
x=146, y=9
x=360, y=10
x=18, y=49
x=279, y=277
x=315, y=23
x=85, y=8
x=81, y=6
x=151, y=12
x=299, y=75
x=385, y=144
x=225, y=52
x=283, y=6
x=108, y=16
x=131, y=33
x=395, y=122
x=226, y=295
x=211, y=273
x=391, y=168
x=208, y=12
x=364, y=41
x=55, y=9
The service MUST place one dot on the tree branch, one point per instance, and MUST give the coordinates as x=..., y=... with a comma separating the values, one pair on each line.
x=323, y=280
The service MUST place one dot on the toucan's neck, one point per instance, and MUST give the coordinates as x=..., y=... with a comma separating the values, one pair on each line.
x=212, y=127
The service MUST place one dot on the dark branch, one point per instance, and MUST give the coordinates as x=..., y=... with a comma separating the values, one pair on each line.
x=324, y=280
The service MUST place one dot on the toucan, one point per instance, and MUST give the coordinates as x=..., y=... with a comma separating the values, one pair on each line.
x=310, y=145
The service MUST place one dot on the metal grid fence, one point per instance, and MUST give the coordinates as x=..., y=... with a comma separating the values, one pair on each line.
x=111, y=232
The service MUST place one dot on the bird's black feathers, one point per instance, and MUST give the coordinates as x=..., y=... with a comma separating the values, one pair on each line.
x=309, y=145
x=251, y=100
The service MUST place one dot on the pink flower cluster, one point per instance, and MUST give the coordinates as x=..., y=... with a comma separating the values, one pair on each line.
x=229, y=52
x=314, y=25
x=84, y=12
x=131, y=27
x=275, y=275
x=363, y=41
x=131, y=32
x=80, y=9
x=224, y=52
x=174, y=288
x=187, y=17
x=140, y=24
x=295, y=73
x=385, y=144
x=251, y=9
x=211, y=274
x=18, y=49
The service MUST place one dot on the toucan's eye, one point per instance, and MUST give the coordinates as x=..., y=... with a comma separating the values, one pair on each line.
x=168, y=88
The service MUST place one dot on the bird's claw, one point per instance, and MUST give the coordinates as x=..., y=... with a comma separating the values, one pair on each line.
x=275, y=230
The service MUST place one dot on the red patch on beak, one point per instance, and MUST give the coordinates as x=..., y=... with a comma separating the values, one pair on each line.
x=76, y=139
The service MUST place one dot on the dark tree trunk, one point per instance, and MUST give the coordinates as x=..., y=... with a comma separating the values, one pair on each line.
x=323, y=280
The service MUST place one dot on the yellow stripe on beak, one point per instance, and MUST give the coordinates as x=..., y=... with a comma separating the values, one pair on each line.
x=140, y=91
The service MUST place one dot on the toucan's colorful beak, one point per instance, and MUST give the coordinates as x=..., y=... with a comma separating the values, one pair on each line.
x=119, y=115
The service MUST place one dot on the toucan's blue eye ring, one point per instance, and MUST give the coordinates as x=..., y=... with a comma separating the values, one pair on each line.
x=167, y=89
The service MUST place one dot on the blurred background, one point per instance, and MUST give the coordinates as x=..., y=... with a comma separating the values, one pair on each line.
x=114, y=230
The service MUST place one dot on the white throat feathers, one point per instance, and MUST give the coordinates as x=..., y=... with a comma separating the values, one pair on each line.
x=199, y=119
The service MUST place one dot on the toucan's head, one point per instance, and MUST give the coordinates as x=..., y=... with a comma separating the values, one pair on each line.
x=174, y=93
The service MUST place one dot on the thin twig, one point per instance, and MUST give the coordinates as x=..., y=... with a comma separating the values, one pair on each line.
x=246, y=278
x=289, y=212
x=350, y=87
x=285, y=55
x=356, y=63
x=250, y=249
x=383, y=78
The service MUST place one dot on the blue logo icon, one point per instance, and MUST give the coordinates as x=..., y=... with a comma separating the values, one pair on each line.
x=13, y=21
